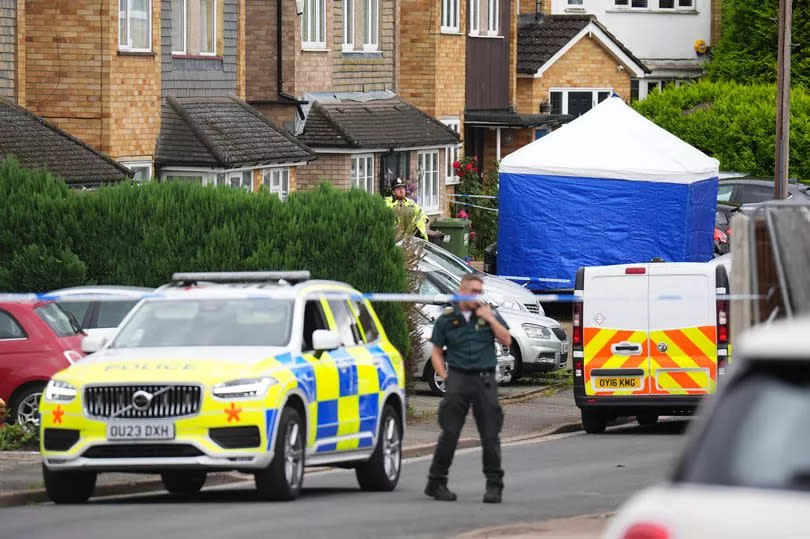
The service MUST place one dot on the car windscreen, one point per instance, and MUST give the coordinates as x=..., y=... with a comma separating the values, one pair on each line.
x=445, y=260
x=758, y=435
x=208, y=322
x=58, y=320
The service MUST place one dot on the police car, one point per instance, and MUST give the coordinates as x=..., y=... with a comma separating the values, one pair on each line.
x=648, y=339
x=264, y=378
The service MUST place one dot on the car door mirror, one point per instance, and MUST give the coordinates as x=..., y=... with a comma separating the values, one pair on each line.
x=323, y=339
x=93, y=343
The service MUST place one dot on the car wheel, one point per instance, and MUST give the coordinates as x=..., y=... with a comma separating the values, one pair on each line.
x=437, y=385
x=183, y=483
x=647, y=419
x=282, y=480
x=381, y=472
x=68, y=486
x=517, y=372
x=25, y=407
x=593, y=421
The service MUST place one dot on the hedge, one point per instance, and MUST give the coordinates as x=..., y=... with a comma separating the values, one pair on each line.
x=733, y=123
x=139, y=234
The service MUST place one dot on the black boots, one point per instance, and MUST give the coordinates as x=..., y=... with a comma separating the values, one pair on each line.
x=440, y=492
x=493, y=494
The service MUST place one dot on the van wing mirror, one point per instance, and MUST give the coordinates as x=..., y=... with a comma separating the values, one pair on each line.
x=93, y=343
x=323, y=339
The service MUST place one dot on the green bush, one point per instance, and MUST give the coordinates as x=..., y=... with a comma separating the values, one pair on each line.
x=17, y=437
x=131, y=234
x=733, y=123
x=484, y=221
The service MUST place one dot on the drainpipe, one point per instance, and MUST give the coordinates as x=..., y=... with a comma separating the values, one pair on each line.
x=498, y=144
x=279, y=63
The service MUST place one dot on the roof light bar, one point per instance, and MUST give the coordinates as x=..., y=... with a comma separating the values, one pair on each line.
x=240, y=277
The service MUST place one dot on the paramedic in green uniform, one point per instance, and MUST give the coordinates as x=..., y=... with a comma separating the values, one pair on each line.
x=468, y=331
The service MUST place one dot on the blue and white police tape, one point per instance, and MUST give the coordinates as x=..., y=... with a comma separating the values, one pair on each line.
x=383, y=297
x=462, y=195
x=457, y=203
x=535, y=279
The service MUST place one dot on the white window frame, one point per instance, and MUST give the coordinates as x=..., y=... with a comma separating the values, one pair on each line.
x=132, y=165
x=450, y=16
x=188, y=176
x=363, y=181
x=279, y=181
x=348, y=25
x=493, y=22
x=565, y=91
x=690, y=6
x=371, y=34
x=429, y=197
x=316, y=9
x=214, y=10
x=451, y=154
x=184, y=49
x=475, y=17
x=127, y=47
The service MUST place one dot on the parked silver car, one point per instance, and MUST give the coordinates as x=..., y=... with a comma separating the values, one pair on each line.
x=502, y=292
x=539, y=344
x=99, y=309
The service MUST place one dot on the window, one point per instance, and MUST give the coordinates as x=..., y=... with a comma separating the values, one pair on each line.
x=724, y=193
x=620, y=2
x=9, y=328
x=367, y=322
x=577, y=101
x=750, y=194
x=313, y=320
x=638, y=3
x=111, y=313
x=313, y=24
x=345, y=322
x=666, y=4
x=371, y=13
x=685, y=3
x=363, y=172
x=179, y=177
x=475, y=16
x=574, y=2
x=488, y=11
x=348, y=24
x=428, y=165
x=634, y=88
x=58, y=320
x=135, y=25
x=179, y=22
x=451, y=154
x=142, y=170
x=393, y=165
x=236, y=180
x=450, y=15
x=277, y=180
x=492, y=17
x=194, y=27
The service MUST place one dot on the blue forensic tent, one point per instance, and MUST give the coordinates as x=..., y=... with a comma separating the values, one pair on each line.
x=610, y=187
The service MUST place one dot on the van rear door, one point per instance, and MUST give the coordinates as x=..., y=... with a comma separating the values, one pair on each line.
x=683, y=332
x=615, y=314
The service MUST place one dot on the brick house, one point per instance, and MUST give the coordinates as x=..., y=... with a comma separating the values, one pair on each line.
x=103, y=70
x=567, y=64
x=331, y=72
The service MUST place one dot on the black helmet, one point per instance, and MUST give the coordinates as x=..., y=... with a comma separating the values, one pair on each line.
x=399, y=182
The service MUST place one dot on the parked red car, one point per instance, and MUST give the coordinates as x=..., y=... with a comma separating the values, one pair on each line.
x=37, y=339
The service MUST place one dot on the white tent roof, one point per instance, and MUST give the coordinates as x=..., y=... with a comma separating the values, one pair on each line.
x=613, y=141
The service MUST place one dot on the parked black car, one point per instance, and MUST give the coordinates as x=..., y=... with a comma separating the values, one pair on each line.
x=744, y=191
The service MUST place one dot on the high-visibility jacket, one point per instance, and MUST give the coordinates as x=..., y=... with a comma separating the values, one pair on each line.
x=420, y=219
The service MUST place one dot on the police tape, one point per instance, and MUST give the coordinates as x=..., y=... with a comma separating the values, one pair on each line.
x=535, y=279
x=381, y=297
x=473, y=206
x=473, y=196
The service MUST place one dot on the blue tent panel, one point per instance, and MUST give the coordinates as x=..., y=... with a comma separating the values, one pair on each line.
x=549, y=226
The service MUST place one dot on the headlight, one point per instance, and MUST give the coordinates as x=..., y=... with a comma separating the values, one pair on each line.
x=57, y=391
x=244, y=389
x=537, y=332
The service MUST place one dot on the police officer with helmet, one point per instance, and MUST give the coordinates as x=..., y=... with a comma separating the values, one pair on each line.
x=468, y=330
x=399, y=200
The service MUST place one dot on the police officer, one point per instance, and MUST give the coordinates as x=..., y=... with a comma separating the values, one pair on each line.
x=468, y=331
x=399, y=200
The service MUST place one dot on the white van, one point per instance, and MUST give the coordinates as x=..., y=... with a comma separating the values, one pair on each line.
x=648, y=339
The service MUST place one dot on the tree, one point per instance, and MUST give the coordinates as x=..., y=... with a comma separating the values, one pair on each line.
x=747, y=51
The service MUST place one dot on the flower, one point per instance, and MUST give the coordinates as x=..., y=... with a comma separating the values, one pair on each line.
x=473, y=235
x=462, y=214
x=468, y=167
x=456, y=165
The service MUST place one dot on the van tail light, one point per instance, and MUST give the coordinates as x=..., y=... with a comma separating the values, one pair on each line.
x=578, y=368
x=722, y=322
x=720, y=236
x=646, y=530
x=635, y=271
x=576, y=332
